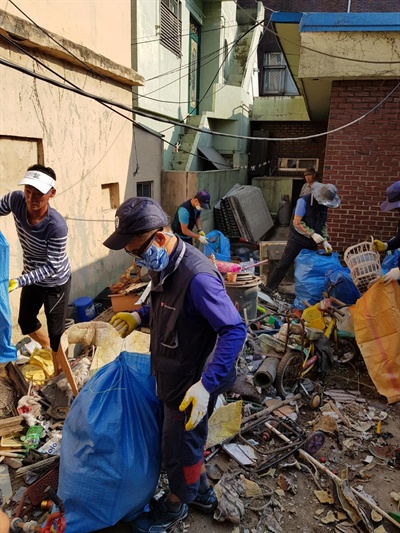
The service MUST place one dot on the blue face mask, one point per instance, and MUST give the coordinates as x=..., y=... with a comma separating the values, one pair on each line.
x=154, y=258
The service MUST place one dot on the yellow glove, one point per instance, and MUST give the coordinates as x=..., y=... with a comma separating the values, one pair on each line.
x=327, y=247
x=125, y=323
x=198, y=397
x=380, y=246
x=12, y=285
x=202, y=233
x=203, y=239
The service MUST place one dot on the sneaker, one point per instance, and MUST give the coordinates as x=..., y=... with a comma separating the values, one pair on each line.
x=160, y=518
x=205, y=503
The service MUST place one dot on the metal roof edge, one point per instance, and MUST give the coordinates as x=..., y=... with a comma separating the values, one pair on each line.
x=334, y=22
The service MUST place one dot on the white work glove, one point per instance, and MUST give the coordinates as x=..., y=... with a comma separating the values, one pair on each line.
x=199, y=398
x=392, y=275
x=12, y=285
x=380, y=246
x=125, y=323
x=316, y=237
x=327, y=247
x=203, y=239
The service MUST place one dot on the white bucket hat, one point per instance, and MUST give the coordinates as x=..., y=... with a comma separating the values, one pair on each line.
x=325, y=194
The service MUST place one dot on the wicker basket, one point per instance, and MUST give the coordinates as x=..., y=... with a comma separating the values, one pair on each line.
x=364, y=264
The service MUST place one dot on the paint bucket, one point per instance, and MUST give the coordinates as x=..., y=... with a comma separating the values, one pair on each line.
x=85, y=309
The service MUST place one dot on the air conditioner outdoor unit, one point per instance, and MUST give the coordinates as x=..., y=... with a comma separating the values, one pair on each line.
x=297, y=164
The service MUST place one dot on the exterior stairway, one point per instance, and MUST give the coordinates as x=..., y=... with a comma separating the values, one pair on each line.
x=181, y=160
x=239, y=60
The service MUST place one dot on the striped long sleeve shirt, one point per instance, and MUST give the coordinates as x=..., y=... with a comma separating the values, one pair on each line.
x=43, y=245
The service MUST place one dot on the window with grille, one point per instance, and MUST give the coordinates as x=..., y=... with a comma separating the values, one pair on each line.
x=277, y=79
x=171, y=26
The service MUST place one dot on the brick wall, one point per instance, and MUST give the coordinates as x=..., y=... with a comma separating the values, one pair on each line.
x=314, y=148
x=362, y=160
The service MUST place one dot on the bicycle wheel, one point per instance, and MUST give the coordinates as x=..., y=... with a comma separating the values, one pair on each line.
x=288, y=373
x=346, y=350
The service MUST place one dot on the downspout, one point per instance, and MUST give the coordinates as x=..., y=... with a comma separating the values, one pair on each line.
x=349, y=6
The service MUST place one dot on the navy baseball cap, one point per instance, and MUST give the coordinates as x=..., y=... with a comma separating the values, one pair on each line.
x=393, y=197
x=135, y=216
x=204, y=199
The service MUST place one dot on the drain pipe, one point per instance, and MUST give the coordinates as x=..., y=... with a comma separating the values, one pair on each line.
x=349, y=6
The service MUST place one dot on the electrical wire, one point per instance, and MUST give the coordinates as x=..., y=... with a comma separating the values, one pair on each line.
x=30, y=73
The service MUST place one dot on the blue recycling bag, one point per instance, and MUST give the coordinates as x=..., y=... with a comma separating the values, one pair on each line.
x=343, y=288
x=218, y=245
x=391, y=261
x=309, y=275
x=7, y=350
x=110, y=458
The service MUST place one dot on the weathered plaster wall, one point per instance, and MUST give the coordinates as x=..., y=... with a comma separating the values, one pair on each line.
x=88, y=145
x=98, y=25
x=373, y=46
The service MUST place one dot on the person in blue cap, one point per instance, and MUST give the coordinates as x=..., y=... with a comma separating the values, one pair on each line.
x=392, y=203
x=188, y=215
x=196, y=336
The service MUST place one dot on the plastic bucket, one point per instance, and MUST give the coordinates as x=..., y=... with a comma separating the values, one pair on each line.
x=85, y=309
x=244, y=297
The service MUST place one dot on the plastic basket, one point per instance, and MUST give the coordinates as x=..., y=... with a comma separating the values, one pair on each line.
x=364, y=264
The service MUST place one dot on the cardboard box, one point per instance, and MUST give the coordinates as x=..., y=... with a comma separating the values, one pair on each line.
x=124, y=302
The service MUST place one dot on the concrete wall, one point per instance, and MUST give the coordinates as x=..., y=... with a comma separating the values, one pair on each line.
x=88, y=145
x=363, y=160
x=180, y=186
x=98, y=25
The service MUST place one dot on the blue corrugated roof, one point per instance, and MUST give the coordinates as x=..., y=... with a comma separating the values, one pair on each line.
x=312, y=22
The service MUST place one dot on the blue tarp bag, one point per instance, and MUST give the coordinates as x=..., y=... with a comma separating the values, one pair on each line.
x=7, y=350
x=218, y=245
x=343, y=288
x=390, y=261
x=111, y=446
x=309, y=275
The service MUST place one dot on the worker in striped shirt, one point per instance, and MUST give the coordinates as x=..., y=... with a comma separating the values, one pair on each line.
x=46, y=277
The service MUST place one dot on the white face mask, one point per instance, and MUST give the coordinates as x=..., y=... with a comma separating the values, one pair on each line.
x=198, y=207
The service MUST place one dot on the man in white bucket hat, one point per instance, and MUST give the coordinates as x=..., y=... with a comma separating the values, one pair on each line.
x=307, y=229
x=392, y=203
x=46, y=277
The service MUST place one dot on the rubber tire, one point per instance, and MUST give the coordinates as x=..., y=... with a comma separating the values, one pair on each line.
x=347, y=347
x=288, y=373
x=314, y=442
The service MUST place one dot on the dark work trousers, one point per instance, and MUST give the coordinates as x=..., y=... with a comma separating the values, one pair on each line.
x=292, y=250
x=183, y=450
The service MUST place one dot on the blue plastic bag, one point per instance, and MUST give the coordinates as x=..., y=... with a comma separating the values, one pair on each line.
x=344, y=288
x=390, y=261
x=309, y=275
x=7, y=350
x=111, y=446
x=218, y=245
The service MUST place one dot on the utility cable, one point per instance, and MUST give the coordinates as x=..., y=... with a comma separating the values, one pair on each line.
x=188, y=126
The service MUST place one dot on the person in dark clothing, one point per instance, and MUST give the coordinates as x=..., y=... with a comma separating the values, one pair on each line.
x=392, y=203
x=196, y=336
x=311, y=176
x=188, y=215
x=307, y=229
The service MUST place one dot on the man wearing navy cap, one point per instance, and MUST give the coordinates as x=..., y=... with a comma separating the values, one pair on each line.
x=392, y=203
x=196, y=336
x=46, y=277
x=188, y=215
